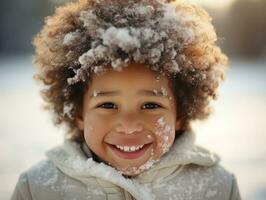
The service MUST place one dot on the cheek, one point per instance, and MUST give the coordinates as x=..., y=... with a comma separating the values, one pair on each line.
x=165, y=135
x=89, y=134
x=94, y=131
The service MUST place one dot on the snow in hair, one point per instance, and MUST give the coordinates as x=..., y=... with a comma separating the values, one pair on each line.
x=89, y=36
x=143, y=32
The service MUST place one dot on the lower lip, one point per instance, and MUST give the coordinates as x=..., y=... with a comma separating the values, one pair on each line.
x=130, y=155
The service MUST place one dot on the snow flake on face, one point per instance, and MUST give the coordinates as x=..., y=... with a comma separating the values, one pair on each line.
x=161, y=121
x=163, y=131
x=137, y=170
x=164, y=91
x=164, y=128
x=158, y=78
x=146, y=165
x=155, y=91
x=95, y=93
x=149, y=136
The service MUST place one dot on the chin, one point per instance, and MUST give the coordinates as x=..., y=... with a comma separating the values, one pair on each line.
x=136, y=169
x=130, y=171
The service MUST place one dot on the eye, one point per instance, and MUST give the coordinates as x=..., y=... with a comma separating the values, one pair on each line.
x=151, y=106
x=107, y=105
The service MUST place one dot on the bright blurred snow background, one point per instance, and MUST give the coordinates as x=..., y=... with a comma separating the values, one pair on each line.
x=236, y=130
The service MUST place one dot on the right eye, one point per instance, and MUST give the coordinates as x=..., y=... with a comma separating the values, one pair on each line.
x=107, y=105
x=151, y=106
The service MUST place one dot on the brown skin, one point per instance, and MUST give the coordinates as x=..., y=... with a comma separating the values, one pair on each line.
x=129, y=118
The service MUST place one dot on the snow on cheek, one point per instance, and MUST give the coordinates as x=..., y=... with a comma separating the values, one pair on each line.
x=163, y=131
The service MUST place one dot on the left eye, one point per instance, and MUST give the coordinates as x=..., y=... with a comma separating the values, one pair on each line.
x=151, y=106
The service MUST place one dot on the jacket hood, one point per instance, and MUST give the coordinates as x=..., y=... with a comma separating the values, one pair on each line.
x=71, y=160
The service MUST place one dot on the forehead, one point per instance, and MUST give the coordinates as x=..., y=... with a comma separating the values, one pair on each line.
x=134, y=76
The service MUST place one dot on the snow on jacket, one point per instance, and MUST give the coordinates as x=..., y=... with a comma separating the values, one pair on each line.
x=185, y=172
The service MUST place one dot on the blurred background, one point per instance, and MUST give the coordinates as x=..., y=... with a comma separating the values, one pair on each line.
x=236, y=130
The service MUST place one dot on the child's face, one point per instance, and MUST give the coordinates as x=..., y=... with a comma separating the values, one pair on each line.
x=129, y=118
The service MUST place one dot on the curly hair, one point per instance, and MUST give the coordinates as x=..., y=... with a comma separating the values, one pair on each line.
x=85, y=37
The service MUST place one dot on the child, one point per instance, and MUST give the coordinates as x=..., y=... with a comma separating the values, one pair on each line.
x=127, y=77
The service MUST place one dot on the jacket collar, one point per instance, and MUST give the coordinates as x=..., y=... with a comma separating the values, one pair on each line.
x=70, y=159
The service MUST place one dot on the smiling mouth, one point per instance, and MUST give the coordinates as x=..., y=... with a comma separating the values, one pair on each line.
x=129, y=152
x=129, y=148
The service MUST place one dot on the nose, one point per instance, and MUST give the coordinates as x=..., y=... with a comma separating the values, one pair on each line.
x=129, y=124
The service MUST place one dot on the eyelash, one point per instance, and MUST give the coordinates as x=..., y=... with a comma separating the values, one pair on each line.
x=104, y=104
x=154, y=104
x=110, y=105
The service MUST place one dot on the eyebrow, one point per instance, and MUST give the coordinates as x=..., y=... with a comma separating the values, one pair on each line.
x=155, y=93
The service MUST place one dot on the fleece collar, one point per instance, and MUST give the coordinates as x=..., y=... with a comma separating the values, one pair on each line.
x=70, y=159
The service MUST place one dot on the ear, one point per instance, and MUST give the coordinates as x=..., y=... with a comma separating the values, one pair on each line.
x=79, y=121
x=178, y=124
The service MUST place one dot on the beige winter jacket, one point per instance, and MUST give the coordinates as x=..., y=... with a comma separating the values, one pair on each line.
x=185, y=172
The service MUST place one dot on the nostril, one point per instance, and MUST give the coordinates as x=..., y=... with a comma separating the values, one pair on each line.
x=119, y=128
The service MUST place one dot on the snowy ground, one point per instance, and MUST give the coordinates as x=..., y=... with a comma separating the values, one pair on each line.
x=236, y=130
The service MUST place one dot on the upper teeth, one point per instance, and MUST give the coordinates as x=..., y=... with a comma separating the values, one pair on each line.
x=129, y=148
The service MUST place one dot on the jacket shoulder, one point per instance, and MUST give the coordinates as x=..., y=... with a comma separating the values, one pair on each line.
x=199, y=182
x=215, y=182
x=39, y=178
x=44, y=181
x=22, y=190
